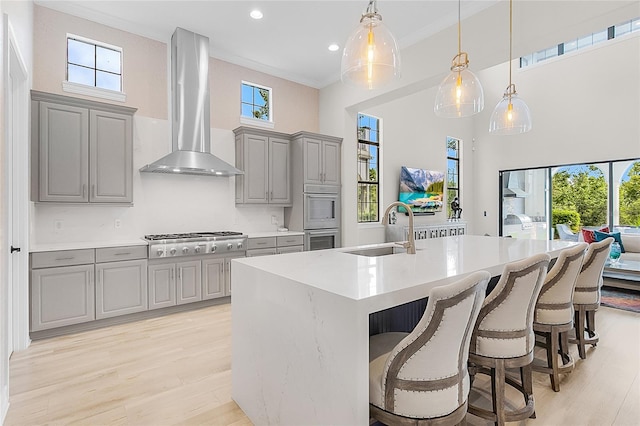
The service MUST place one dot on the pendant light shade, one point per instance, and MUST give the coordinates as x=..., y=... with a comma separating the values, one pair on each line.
x=460, y=94
x=511, y=116
x=370, y=58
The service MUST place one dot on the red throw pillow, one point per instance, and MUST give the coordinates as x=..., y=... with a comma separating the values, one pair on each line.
x=588, y=234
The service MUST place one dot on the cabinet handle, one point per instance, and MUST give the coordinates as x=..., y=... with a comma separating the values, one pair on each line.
x=179, y=273
x=65, y=258
x=84, y=190
x=122, y=254
x=271, y=196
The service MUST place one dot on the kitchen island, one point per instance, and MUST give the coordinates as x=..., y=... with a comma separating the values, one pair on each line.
x=300, y=322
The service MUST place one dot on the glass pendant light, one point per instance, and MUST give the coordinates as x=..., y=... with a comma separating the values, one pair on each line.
x=460, y=94
x=370, y=58
x=511, y=116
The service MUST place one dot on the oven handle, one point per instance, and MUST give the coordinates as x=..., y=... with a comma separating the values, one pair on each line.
x=322, y=232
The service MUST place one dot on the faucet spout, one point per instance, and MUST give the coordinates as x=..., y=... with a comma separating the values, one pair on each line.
x=411, y=244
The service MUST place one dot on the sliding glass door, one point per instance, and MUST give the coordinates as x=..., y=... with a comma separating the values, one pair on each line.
x=591, y=195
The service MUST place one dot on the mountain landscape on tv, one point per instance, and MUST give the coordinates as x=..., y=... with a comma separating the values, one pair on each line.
x=421, y=189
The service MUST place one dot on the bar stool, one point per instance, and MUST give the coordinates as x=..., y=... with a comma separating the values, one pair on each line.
x=503, y=337
x=586, y=297
x=421, y=377
x=553, y=317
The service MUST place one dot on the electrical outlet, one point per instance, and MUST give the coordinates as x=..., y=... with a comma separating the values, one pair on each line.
x=117, y=223
x=58, y=225
x=274, y=219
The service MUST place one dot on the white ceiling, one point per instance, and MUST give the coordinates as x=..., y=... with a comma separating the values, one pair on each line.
x=290, y=41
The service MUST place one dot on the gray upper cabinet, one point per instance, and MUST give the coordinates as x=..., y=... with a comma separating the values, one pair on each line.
x=265, y=158
x=320, y=158
x=82, y=151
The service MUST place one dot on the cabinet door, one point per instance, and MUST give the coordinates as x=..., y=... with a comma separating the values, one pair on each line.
x=312, y=157
x=62, y=296
x=279, y=171
x=227, y=274
x=64, y=157
x=212, y=278
x=162, y=285
x=331, y=163
x=256, y=168
x=290, y=249
x=121, y=288
x=189, y=283
x=110, y=153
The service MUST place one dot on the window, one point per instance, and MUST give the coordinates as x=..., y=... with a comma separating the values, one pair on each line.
x=453, y=172
x=255, y=104
x=581, y=42
x=93, y=68
x=368, y=168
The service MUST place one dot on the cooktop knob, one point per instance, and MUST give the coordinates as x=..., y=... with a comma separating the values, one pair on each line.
x=229, y=246
x=196, y=249
x=160, y=252
x=213, y=248
x=185, y=250
x=240, y=245
x=172, y=251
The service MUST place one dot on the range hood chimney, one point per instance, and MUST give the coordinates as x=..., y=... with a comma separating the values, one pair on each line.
x=191, y=131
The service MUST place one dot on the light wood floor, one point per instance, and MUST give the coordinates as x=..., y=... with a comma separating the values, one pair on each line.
x=177, y=370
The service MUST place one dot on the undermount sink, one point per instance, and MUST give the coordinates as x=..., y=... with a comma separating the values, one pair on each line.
x=378, y=251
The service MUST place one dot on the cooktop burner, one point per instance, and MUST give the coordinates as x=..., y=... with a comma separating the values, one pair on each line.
x=191, y=235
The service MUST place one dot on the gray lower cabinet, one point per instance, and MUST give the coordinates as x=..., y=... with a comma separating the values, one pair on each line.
x=213, y=283
x=162, y=285
x=188, y=285
x=121, y=288
x=62, y=296
x=82, y=151
x=227, y=273
x=264, y=246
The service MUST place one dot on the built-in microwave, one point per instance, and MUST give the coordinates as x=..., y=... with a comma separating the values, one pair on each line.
x=321, y=239
x=321, y=211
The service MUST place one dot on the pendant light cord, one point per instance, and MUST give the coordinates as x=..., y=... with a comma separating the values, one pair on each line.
x=510, y=37
x=459, y=30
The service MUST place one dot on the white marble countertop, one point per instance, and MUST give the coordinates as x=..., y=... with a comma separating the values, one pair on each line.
x=34, y=248
x=437, y=261
x=273, y=234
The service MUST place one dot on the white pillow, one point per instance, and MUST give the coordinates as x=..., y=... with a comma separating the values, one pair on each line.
x=631, y=243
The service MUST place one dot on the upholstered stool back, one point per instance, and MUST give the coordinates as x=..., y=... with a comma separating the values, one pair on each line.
x=555, y=302
x=424, y=374
x=590, y=279
x=505, y=324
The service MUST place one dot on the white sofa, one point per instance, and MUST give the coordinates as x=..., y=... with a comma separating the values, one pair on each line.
x=631, y=243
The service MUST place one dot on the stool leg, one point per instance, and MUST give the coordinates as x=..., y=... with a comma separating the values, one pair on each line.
x=579, y=326
x=552, y=357
x=498, y=383
x=526, y=378
x=591, y=323
x=564, y=347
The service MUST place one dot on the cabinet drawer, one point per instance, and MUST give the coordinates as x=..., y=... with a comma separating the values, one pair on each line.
x=114, y=254
x=290, y=240
x=290, y=249
x=261, y=252
x=264, y=242
x=62, y=258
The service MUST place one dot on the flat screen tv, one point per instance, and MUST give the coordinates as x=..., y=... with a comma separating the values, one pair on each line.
x=421, y=189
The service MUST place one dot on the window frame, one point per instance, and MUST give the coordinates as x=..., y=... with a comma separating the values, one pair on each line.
x=377, y=183
x=458, y=161
x=270, y=124
x=95, y=91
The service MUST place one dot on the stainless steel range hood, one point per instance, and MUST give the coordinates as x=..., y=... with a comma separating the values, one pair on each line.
x=191, y=131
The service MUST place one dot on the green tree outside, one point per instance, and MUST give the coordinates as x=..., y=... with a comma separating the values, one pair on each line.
x=630, y=197
x=584, y=192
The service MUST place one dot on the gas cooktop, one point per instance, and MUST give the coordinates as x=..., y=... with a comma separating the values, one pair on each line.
x=192, y=235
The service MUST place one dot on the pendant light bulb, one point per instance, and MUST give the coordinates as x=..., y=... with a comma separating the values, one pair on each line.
x=370, y=58
x=460, y=94
x=511, y=116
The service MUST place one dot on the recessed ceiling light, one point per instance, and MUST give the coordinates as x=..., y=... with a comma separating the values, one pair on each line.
x=256, y=14
x=333, y=47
